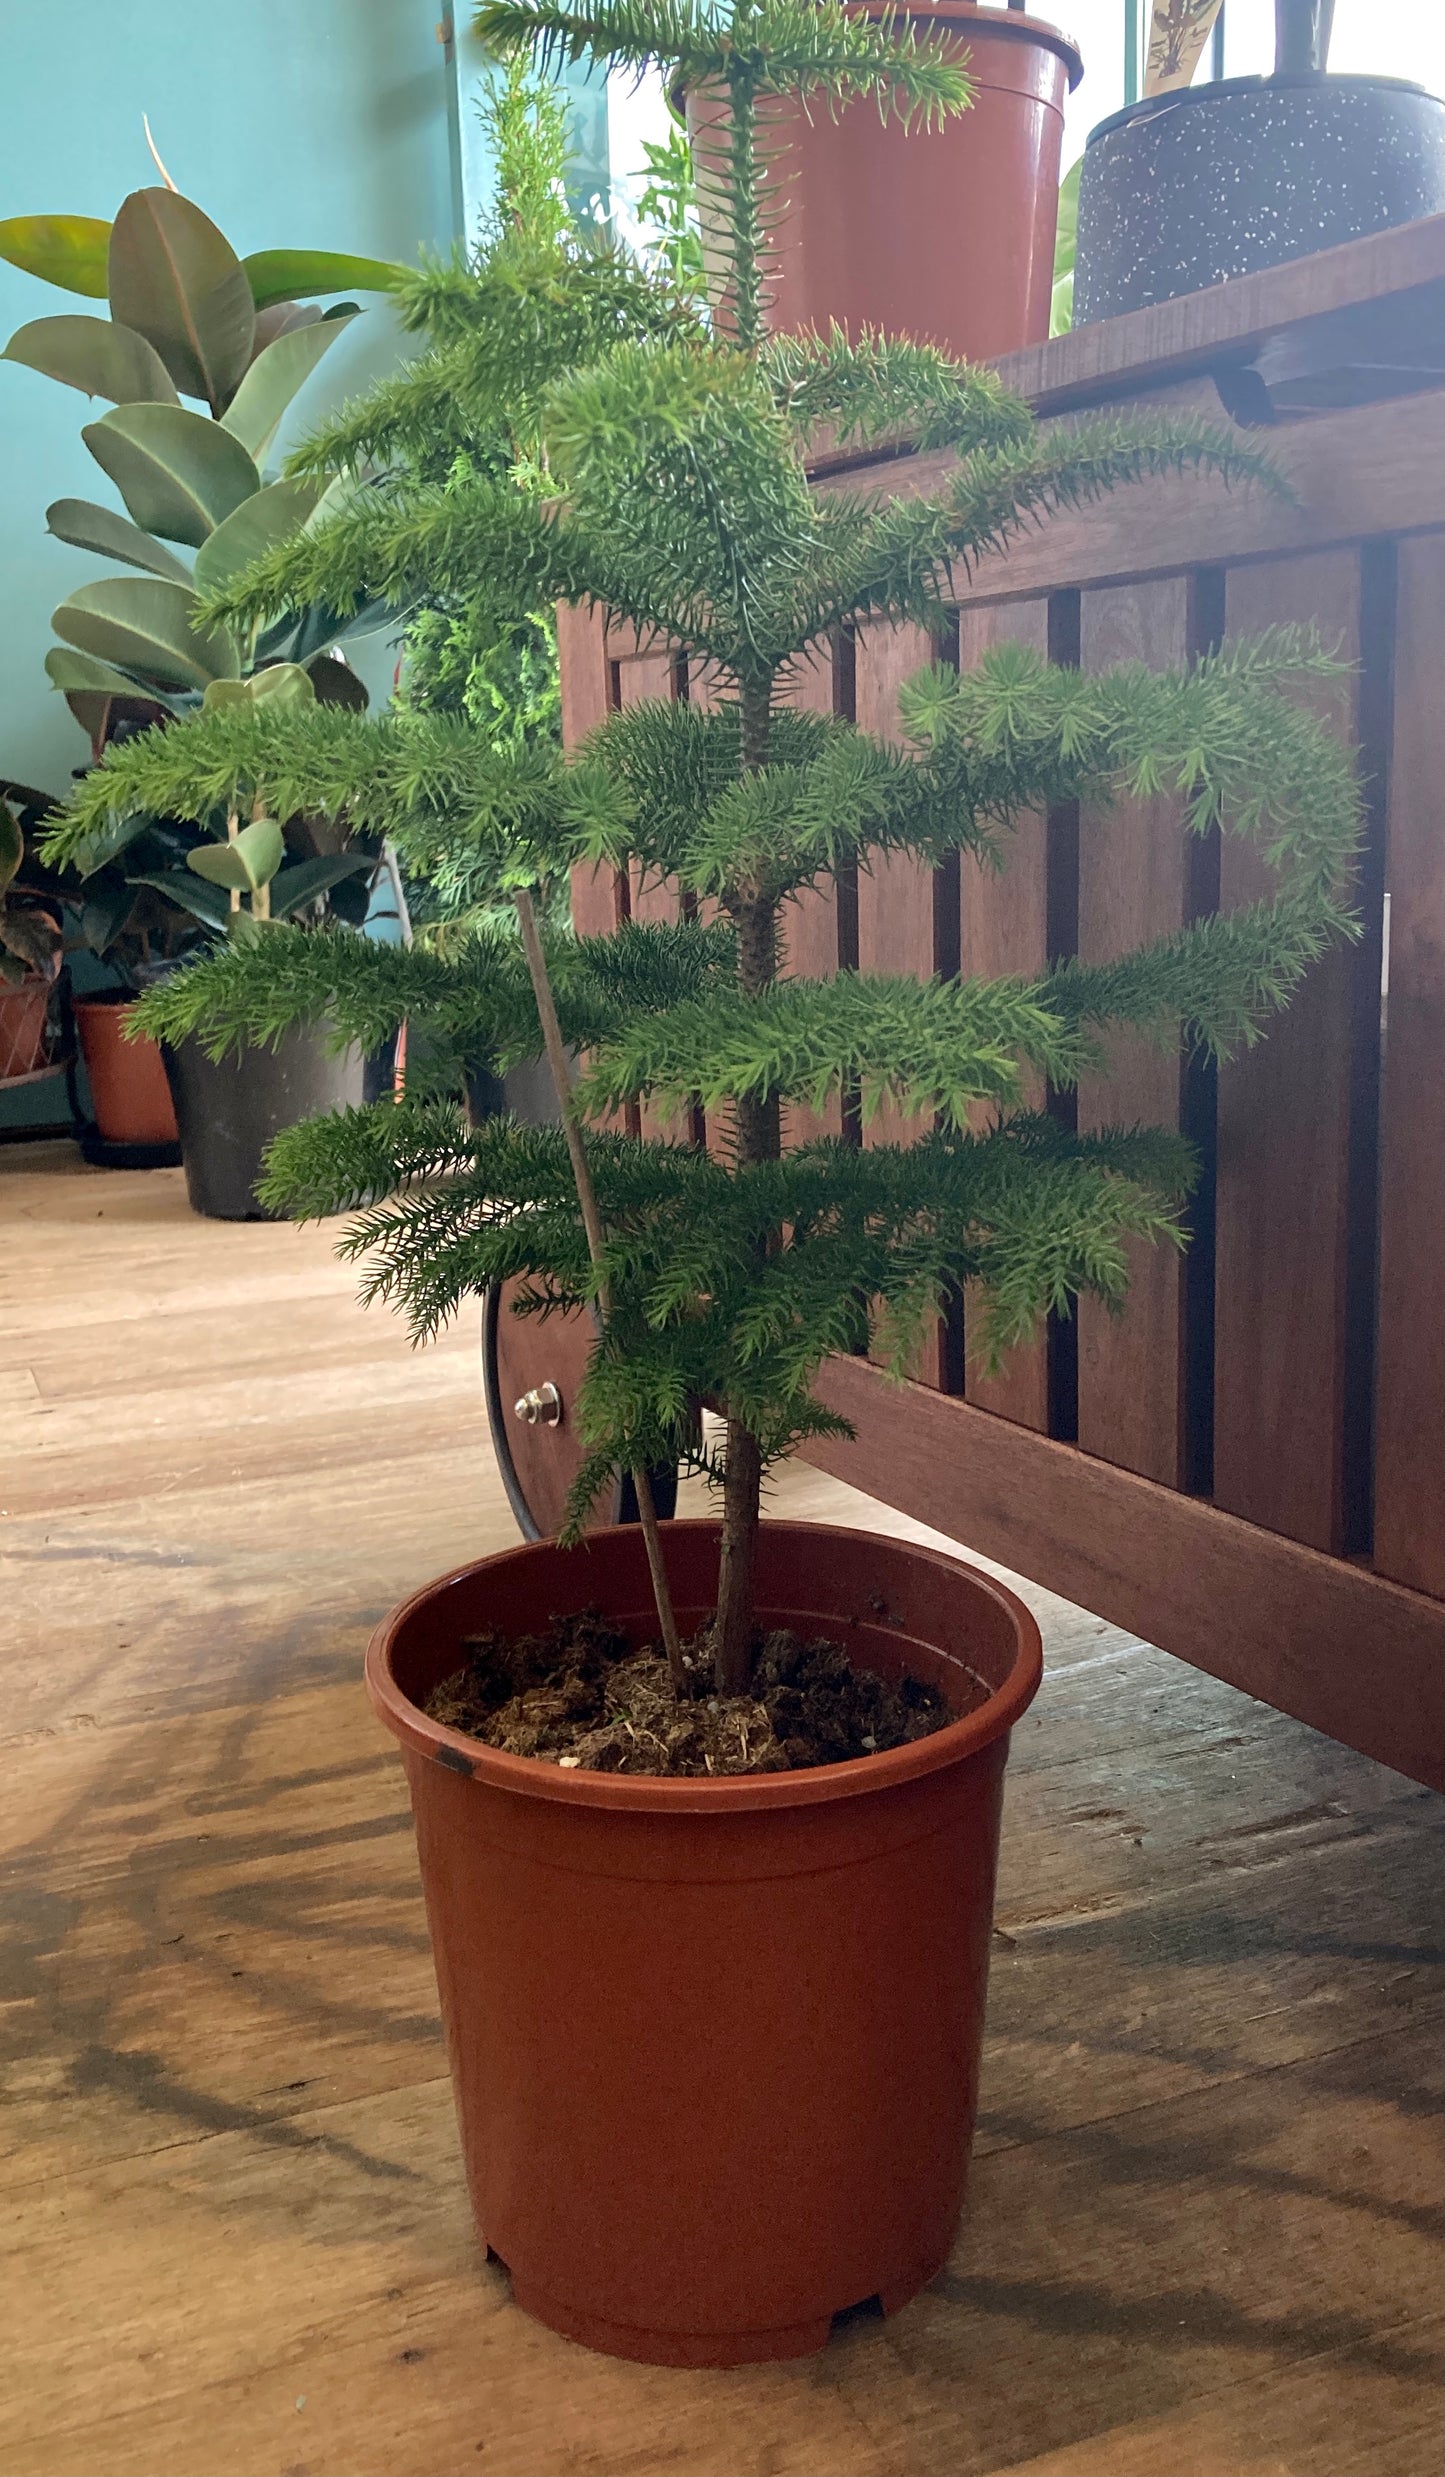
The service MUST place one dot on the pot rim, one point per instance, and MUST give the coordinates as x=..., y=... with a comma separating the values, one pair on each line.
x=1156, y=107
x=965, y=13
x=650, y=1793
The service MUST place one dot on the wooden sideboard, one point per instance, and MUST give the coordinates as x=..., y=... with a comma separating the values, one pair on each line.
x=1248, y=1466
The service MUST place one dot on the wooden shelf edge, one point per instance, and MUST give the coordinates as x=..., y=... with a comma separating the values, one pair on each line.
x=1332, y=1644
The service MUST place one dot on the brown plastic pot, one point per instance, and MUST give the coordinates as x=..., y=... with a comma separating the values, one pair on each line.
x=715, y=2043
x=129, y=1095
x=945, y=235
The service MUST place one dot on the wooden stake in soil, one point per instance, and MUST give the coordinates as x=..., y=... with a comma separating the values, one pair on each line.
x=592, y=1224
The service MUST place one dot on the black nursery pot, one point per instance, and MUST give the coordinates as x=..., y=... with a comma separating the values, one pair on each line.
x=228, y=1111
x=1184, y=190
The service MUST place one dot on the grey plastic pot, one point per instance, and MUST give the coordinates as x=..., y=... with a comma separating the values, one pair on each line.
x=229, y=1110
x=1185, y=190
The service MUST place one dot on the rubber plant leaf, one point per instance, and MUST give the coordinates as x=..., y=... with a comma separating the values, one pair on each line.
x=80, y=674
x=302, y=883
x=179, y=474
x=175, y=277
x=71, y=251
x=285, y=274
x=208, y=903
x=97, y=355
x=146, y=626
x=281, y=684
x=336, y=683
x=282, y=318
x=87, y=526
x=267, y=517
x=250, y=860
x=254, y=413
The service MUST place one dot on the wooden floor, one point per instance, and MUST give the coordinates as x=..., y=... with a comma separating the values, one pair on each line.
x=1199, y=2239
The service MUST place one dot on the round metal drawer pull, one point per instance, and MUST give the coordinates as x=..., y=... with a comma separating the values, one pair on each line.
x=541, y=1408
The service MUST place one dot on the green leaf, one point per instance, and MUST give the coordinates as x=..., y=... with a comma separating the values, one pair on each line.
x=192, y=893
x=269, y=516
x=108, y=840
x=82, y=674
x=145, y=625
x=249, y=860
x=284, y=274
x=12, y=844
x=307, y=879
x=179, y=474
x=282, y=684
x=254, y=412
x=97, y=355
x=68, y=250
x=90, y=527
x=175, y=278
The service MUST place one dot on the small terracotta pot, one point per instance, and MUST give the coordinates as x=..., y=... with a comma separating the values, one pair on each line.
x=24, y=1007
x=129, y=1093
x=715, y=2043
x=945, y=235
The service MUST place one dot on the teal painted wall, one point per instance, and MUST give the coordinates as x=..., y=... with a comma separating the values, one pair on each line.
x=324, y=123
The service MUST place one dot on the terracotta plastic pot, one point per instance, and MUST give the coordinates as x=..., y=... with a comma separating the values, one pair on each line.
x=24, y=1007
x=129, y=1094
x=946, y=235
x=715, y=2043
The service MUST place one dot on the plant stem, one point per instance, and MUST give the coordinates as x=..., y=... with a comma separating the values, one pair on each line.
x=758, y=1138
x=592, y=1224
x=743, y=218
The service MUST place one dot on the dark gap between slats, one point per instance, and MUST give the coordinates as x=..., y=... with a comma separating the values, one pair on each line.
x=1378, y=581
x=1062, y=925
x=1199, y=1121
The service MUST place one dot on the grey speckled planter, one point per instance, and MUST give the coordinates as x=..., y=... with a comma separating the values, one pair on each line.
x=1184, y=190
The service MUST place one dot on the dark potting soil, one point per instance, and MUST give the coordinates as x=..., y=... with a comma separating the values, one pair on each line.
x=578, y=1695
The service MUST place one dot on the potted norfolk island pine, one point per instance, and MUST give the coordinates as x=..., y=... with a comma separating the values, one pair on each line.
x=708, y=1812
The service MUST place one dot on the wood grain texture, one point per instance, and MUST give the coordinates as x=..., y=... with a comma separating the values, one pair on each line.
x=808, y=927
x=598, y=902
x=1117, y=355
x=235, y=2231
x=1282, y=1184
x=1003, y=929
x=1377, y=469
x=1274, y=1617
x=1134, y=888
x=1409, y=1514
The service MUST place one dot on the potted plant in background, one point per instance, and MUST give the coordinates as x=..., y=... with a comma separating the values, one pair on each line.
x=875, y=219
x=31, y=944
x=1194, y=184
x=188, y=318
x=760, y=1858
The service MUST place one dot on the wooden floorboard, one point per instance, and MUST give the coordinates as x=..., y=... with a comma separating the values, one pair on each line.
x=1201, y=2238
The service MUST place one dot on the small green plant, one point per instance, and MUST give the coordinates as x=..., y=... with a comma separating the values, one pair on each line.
x=679, y=502
x=30, y=927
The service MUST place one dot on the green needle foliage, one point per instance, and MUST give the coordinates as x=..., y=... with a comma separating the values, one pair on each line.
x=676, y=496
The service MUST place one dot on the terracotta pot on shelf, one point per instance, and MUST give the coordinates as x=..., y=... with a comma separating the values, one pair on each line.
x=24, y=1018
x=945, y=235
x=715, y=2043
x=129, y=1094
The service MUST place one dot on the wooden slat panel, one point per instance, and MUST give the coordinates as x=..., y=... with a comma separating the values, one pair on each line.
x=1378, y=468
x=809, y=926
x=1410, y=1395
x=1331, y=1643
x=650, y=897
x=586, y=678
x=897, y=895
x=1282, y=1190
x=1122, y=354
x=1004, y=928
x=1133, y=888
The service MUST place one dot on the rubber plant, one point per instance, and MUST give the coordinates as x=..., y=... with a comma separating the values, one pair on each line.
x=679, y=502
x=190, y=323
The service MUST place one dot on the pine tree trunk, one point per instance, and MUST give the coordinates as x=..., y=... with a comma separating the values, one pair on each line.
x=758, y=1138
